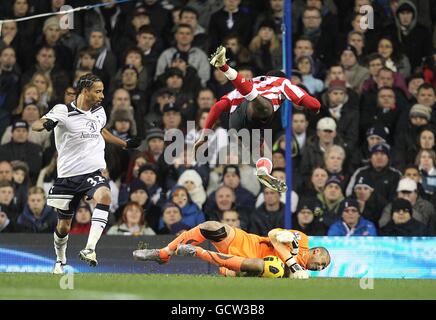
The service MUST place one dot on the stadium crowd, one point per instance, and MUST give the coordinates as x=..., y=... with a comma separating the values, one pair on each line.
x=364, y=166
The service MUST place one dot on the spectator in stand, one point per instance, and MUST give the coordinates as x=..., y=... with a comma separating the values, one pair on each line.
x=191, y=180
x=46, y=63
x=355, y=73
x=6, y=224
x=10, y=37
x=306, y=67
x=21, y=149
x=9, y=86
x=45, y=88
x=196, y=57
x=306, y=218
x=133, y=57
x=192, y=214
x=331, y=198
x=30, y=114
x=205, y=99
x=334, y=159
x=385, y=112
x=313, y=154
x=230, y=20
x=402, y=223
x=236, y=53
x=147, y=173
x=412, y=171
x=266, y=48
x=37, y=217
x=411, y=35
x=371, y=204
x=304, y=47
x=324, y=40
x=337, y=105
x=423, y=210
x=426, y=162
x=174, y=80
x=413, y=83
x=394, y=58
x=8, y=201
x=384, y=176
x=130, y=82
x=172, y=117
x=270, y=215
x=427, y=97
x=99, y=44
x=274, y=14
x=417, y=136
x=172, y=220
x=132, y=222
x=357, y=40
x=21, y=179
x=121, y=103
x=146, y=41
x=375, y=135
x=352, y=223
x=155, y=145
x=219, y=83
x=82, y=219
x=189, y=16
x=51, y=37
x=138, y=193
x=160, y=98
x=316, y=184
x=231, y=218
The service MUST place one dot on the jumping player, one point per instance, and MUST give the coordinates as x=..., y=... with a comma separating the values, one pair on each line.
x=253, y=104
x=80, y=141
x=239, y=251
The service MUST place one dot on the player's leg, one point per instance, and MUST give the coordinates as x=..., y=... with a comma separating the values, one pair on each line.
x=263, y=173
x=260, y=107
x=253, y=266
x=211, y=230
x=60, y=240
x=102, y=196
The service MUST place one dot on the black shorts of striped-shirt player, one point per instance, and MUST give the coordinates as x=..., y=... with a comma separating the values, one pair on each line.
x=66, y=193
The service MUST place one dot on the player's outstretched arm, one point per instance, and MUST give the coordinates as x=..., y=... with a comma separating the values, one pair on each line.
x=42, y=124
x=128, y=144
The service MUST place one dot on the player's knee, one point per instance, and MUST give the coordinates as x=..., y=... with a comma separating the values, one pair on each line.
x=103, y=195
x=213, y=231
x=63, y=227
x=254, y=266
x=210, y=225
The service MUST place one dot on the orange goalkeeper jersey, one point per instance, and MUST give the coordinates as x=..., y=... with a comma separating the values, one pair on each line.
x=250, y=245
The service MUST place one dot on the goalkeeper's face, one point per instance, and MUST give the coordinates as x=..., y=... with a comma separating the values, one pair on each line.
x=318, y=260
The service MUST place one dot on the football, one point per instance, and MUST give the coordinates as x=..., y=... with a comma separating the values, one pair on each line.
x=273, y=267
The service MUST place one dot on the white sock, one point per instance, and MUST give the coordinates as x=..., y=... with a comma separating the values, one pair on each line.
x=98, y=223
x=60, y=245
x=231, y=74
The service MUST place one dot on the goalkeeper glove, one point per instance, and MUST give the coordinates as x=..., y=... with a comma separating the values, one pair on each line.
x=300, y=274
x=290, y=238
x=133, y=143
x=49, y=124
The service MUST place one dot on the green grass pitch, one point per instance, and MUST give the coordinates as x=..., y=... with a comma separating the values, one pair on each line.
x=171, y=287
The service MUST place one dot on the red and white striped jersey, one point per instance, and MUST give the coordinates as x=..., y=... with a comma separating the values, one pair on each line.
x=275, y=89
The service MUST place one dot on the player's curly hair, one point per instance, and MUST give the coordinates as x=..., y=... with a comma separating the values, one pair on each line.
x=86, y=81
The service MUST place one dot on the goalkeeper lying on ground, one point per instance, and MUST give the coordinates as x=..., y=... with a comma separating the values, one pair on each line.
x=239, y=251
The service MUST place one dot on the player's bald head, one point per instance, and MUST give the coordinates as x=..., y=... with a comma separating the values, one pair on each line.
x=319, y=259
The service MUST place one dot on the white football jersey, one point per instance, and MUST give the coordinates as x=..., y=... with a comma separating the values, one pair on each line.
x=78, y=139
